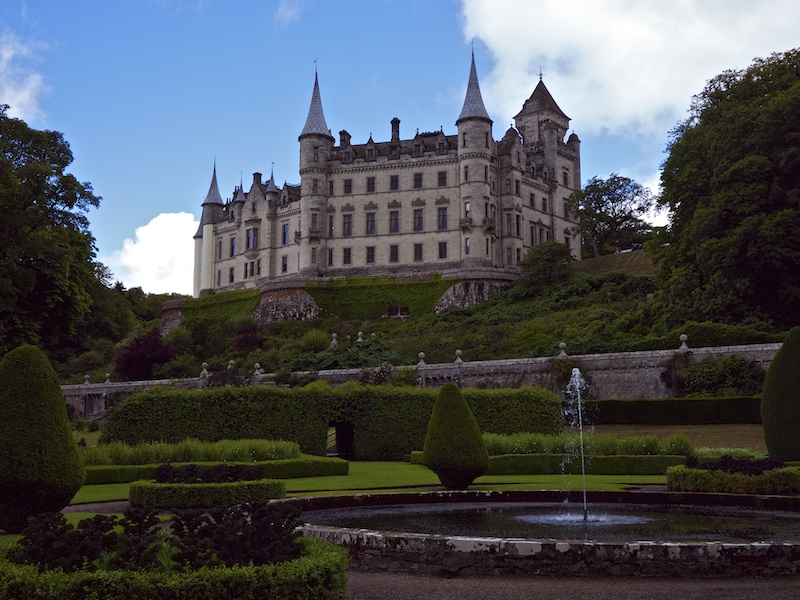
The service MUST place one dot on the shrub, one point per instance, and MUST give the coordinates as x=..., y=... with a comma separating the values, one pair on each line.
x=138, y=359
x=190, y=450
x=40, y=469
x=777, y=481
x=780, y=400
x=723, y=376
x=204, y=495
x=454, y=448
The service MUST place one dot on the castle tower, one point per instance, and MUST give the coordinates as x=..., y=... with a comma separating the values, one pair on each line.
x=477, y=211
x=204, y=239
x=316, y=143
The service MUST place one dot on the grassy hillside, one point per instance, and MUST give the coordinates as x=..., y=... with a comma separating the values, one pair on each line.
x=632, y=263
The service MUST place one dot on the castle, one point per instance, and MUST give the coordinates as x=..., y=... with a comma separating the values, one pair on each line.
x=436, y=203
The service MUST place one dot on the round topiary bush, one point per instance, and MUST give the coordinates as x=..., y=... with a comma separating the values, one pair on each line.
x=40, y=470
x=454, y=448
x=780, y=400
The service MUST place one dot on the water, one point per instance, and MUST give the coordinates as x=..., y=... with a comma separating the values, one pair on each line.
x=573, y=392
x=606, y=523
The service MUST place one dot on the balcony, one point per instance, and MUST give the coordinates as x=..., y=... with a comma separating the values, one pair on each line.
x=314, y=233
x=489, y=223
x=465, y=223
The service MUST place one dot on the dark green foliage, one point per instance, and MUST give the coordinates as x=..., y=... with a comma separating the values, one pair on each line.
x=388, y=422
x=780, y=400
x=556, y=464
x=320, y=573
x=206, y=473
x=347, y=355
x=783, y=481
x=676, y=411
x=138, y=359
x=40, y=469
x=732, y=464
x=724, y=376
x=204, y=495
x=454, y=448
x=546, y=263
x=731, y=183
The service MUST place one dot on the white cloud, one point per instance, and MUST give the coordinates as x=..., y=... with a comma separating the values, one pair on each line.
x=161, y=258
x=287, y=12
x=621, y=66
x=20, y=86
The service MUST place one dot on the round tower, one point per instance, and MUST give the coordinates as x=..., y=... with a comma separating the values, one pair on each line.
x=477, y=211
x=204, y=240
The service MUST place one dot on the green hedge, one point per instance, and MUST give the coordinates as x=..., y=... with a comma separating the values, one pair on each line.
x=675, y=411
x=777, y=481
x=321, y=574
x=387, y=422
x=204, y=495
x=307, y=466
x=553, y=464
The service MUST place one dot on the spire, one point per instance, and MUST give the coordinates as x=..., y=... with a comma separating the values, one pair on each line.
x=213, y=200
x=213, y=196
x=473, y=102
x=315, y=122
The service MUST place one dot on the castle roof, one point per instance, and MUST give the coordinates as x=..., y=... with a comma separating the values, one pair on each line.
x=541, y=99
x=315, y=122
x=213, y=198
x=473, y=102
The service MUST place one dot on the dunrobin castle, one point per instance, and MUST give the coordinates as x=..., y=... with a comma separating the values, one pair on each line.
x=462, y=204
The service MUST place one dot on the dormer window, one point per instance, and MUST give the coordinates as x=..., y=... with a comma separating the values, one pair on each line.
x=370, y=154
x=417, y=149
x=442, y=148
x=347, y=156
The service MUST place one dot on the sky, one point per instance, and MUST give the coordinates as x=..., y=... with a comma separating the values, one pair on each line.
x=151, y=94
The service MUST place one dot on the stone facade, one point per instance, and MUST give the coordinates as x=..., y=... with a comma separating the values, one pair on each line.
x=417, y=205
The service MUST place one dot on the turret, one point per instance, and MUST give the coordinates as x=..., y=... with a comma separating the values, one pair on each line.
x=477, y=209
x=204, y=239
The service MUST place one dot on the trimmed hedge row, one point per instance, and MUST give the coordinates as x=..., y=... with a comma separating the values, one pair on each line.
x=675, y=411
x=387, y=422
x=204, y=495
x=321, y=574
x=554, y=464
x=777, y=481
x=307, y=466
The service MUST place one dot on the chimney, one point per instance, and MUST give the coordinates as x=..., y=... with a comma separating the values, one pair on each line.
x=395, y=130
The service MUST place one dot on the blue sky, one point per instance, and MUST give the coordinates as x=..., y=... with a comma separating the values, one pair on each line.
x=150, y=93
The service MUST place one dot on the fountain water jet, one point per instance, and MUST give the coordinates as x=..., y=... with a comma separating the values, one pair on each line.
x=573, y=391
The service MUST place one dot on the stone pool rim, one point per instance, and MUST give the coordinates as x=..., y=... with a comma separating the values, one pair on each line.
x=372, y=550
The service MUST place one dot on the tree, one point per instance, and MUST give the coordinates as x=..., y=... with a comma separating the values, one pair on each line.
x=610, y=213
x=40, y=470
x=730, y=182
x=780, y=400
x=546, y=263
x=454, y=448
x=137, y=360
x=46, y=250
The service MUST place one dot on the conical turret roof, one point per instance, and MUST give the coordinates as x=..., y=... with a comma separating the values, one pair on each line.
x=213, y=196
x=213, y=199
x=473, y=102
x=315, y=122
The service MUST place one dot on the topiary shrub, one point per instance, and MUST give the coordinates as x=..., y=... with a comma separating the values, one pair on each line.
x=454, y=448
x=40, y=470
x=780, y=400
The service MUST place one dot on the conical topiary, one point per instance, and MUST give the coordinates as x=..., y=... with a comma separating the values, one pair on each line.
x=40, y=470
x=780, y=400
x=454, y=448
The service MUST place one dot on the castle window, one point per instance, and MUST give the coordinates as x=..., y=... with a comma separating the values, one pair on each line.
x=313, y=256
x=441, y=218
x=486, y=173
x=230, y=275
x=284, y=264
x=519, y=254
x=371, y=223
x=466, y=245
x=370, y=254
x=330, y=225
x=394, y=221
x=565, y=177
x=347, y=225
x=330, y=188
x=518, y=225
x=314, y=221
x=544, y=204
x=258, y=267
x=418, y=224
x=464, y=139
x=370, y=154
x=516, y=187
x=347, y=256
x=219, y=277
x=442, y=178
x=533, y=235
x=348, y=186
x=466, y=210
x=442, y=148
x=508, y=224
x=252, y=238
x=219, y=249
x=442, y=249
x=347, y=156
x=316, y=153
x=285, y=234
x=394, y=253
x=233, y=246
x=486, y=138
x=508, y=256
x=370, y=184
x=417, y=180
x=508, y=186
x=533, y=201
x=245, y=270
x=566, y=210
x=394, y=182
x=315, y=186
x=487, y=246
x=330, y=257
x=417, y=150
x=466, y=172
x=417, y=252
